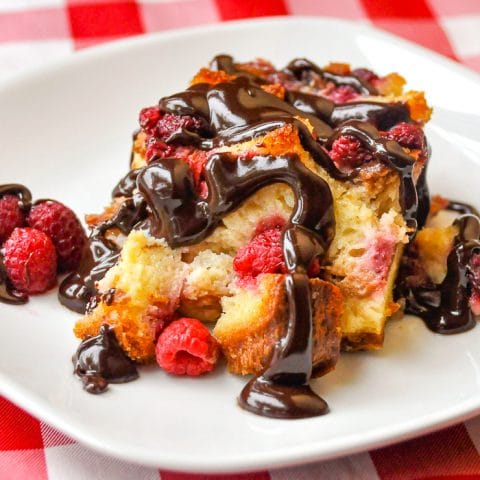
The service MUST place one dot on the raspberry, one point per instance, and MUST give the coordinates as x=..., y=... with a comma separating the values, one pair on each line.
x=186, y=347
x=347, y=152
x=263, y=254
x=157, y=148
x=148, y=119
x=407, y=135
x=365, y=74
x=65, y=230
x=197, y=160
x=170, y=124
x=30, y=260
x=202, y=190
x=343, y=94
x=378, y=257
x=474, y=275
x=11, y=216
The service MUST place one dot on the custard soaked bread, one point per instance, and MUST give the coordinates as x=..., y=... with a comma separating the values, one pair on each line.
x=262, y=200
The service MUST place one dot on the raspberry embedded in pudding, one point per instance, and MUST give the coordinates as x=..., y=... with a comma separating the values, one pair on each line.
x=348, y=153
x=264, y=254
x=407, y=135
x=343, y=94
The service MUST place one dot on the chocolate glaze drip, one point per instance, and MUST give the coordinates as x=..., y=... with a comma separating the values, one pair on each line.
x=7, y=293
x=100, y=360
x=462, y=208
x=102, y=254
x=126, y=185
x=238, y=111
x=391, y=154
x=301, y=68
x=445, y=307
x=382, y=115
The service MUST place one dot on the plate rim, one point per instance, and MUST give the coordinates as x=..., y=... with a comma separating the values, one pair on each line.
x=283, y=456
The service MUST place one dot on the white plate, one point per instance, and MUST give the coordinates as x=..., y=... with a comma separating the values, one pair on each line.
x=65, y=132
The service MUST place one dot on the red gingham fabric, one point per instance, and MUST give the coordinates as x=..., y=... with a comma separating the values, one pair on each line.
x=33, y=32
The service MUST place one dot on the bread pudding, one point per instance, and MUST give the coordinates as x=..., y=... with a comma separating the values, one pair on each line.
x=277, y=207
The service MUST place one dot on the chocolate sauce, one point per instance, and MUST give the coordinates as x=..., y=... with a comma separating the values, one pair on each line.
x=382, y=115
x=7, y=293
x=301, y=68
x=166, y=202
x=169, y=190
x=462, y=208
x=239, y=111
x=100, y=360
x=445, y=307
x=126, y=186
x=391, y=154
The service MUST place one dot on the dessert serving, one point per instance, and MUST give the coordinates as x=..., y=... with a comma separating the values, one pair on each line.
x=286, y=210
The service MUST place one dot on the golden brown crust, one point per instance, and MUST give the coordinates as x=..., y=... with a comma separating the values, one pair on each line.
x=134, y=326
x=362, y=341
x=248, y=349
x=211, y=77
x=206, y=308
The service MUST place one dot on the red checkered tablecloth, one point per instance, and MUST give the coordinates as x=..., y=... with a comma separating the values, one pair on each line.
x=34, y=32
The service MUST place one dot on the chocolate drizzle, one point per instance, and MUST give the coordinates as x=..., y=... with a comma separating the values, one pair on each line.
x=100, y=360
x=101, y=255
x=445, y=307
x=7, y=293
x=301, y=68
x=162, y=199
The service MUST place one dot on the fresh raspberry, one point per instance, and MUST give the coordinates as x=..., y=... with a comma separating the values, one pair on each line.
x=157, y=148
x=407, y=135
x=343, y=93
x=365, y=74
x=170, y=124
x=148, y=119
x=11, y=216
x=347, y=152
x=30, y=260
x=263, y=254
x=65, y=230
x=186, y=347
x=474, y=275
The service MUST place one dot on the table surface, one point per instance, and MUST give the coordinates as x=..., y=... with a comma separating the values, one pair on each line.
x=35, y=32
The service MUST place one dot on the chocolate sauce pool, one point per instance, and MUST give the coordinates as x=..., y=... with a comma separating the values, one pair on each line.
x=100, y=360
x=161, y=198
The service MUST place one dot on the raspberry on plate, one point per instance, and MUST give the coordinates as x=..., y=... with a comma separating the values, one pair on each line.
x=186, y=347
x=65, y=230
x=11, y=216
x=30, y=260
